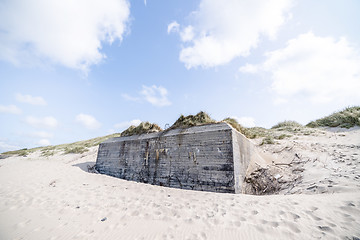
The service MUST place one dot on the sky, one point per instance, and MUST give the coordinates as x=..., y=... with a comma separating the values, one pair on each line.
x=74, y=70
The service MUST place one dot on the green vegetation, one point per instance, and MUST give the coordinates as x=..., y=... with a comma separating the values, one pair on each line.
x=142, y=128
x=201, y=118
x=258, y=132
x=246, y=131
x=287, y=125
x=282, y=136
x=347, y=118
x=22, y=152
x=48, y=151
x=267, y=140
x=75, y=149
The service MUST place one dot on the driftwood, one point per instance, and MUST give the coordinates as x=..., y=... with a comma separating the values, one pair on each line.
x=262, y=182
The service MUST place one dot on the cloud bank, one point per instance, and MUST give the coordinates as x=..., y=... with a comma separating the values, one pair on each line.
x=223, y=30
x=321, y=69
x=66, y=32
x=156, y=95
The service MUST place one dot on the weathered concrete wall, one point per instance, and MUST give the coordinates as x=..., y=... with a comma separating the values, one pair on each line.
x=209, y=158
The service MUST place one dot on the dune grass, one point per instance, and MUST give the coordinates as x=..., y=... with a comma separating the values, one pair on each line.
x=287, y=124
x=142, y=128
x=248, y=132
x=201, y=118
x=347, y=118
x=22, y=152
x=76, y=147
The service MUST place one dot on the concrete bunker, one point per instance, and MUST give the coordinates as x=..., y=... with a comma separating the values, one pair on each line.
x=211, y=157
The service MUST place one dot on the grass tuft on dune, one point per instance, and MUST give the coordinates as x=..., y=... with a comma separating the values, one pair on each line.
x=201, y=118
x=76, y=147
x=347, y=118
x=142, y=128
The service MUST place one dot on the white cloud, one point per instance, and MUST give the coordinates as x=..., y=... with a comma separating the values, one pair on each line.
x=124, y=125
x=245, y=121
x=66, y=32
x=224, y=30
x=30, y=99
x=88, y=121
x=10, y=109
x=187, y=34
x=173, y=27
x=43, y=142
x=321, y=69
x=157, y=96
x=46, y=122
x=249, y=68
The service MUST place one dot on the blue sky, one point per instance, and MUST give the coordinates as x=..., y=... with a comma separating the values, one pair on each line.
x=72, y=70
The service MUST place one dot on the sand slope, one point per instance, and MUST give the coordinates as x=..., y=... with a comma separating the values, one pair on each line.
x=56, y=198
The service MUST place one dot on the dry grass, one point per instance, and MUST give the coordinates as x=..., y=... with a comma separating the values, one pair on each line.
x=76, y=150
x=287, y=125
x=77, y=147
x=246, y=131
x=267, y=140
x=142, y=128
x=347, y=118
x=22, y=152
x=201, y=118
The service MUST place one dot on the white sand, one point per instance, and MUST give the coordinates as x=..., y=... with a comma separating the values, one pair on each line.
x=56, y=198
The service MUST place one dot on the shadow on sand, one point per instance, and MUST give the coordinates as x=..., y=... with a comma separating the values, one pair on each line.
x=86, y=166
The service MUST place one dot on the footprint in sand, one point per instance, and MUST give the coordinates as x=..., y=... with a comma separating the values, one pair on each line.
x=254, y=212
x=274, y=224
x=242, y=219
x=314, y=208
x=260, y=228
x=292, y=227
x=311, y=214
x=294, y=216
x=237, y=223
x=203, y=236
x=325, y=229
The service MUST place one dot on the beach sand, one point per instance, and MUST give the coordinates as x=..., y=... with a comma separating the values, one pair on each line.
x=57, y=198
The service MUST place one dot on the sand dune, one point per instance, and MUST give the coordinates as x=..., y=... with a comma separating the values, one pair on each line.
x=56, y=198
